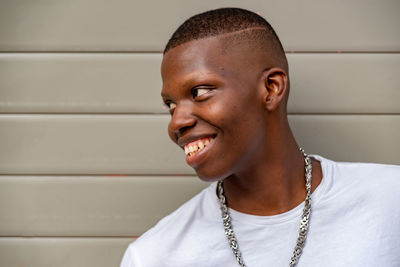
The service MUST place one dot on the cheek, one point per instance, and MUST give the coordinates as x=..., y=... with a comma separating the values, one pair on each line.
x=224, y=112
x=243, y=130
x=236, y=127
x=233, y=119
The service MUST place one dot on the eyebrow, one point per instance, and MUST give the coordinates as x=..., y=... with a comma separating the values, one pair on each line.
x=193, y=79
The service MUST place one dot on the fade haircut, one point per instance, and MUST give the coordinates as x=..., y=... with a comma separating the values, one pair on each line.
x=223, y=21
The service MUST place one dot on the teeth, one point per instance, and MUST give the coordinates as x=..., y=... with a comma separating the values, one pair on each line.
x=192, y=149
x=200, y=144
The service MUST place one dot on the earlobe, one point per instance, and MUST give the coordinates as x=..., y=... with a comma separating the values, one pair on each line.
x=275, y=84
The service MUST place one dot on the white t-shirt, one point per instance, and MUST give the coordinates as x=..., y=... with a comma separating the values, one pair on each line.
x=355, y=221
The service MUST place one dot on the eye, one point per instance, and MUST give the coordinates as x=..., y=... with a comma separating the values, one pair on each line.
x=171, y=106
x=199, y=91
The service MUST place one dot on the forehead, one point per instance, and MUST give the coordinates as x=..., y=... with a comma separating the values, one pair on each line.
x=199, y=57
x=202, y=58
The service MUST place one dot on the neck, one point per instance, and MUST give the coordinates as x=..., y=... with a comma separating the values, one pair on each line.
x=274, y=181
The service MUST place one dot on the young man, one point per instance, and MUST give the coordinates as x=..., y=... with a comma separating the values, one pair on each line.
x=226, y=83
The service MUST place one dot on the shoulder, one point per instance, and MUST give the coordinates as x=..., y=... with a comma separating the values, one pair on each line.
x=360, y=200
x=370, y=170
x=347, y=173
x=370, y=175
x=170, y=232
x=375, y=184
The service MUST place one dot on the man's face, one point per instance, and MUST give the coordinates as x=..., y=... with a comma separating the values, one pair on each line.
x=216, y=106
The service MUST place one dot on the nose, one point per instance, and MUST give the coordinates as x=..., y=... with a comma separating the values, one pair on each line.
x=182, y=119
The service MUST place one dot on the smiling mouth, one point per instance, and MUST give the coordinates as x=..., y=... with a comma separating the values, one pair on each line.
x=196, y=146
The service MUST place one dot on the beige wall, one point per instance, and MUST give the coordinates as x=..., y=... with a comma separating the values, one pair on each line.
x=86, y=165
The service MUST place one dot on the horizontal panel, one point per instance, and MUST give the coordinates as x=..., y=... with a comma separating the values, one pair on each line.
x=131, y=83
x=107, y=83
x=339, y=83
x=62, y=252
x=89, y=206
x=309, y=25
x=350, y=138
x=138, y=144
x=86, y=144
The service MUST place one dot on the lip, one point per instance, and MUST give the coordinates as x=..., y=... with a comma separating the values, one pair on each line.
x=195, y=159
x=184, y=140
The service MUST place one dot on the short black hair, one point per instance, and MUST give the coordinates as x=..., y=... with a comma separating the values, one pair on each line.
x=222, y=21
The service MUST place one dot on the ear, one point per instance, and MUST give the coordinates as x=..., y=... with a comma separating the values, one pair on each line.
x=275, y=84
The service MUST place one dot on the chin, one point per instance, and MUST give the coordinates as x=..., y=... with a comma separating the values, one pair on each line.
x=209, y=177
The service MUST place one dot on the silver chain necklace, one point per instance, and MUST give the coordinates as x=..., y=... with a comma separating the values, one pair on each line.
x=226, y=218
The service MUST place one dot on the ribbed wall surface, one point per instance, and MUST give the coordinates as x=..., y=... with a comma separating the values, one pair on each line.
x=86, y=165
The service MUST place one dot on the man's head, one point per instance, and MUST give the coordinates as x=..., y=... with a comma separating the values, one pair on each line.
x=222, y=21
x=238, y=26
x=225, y=82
